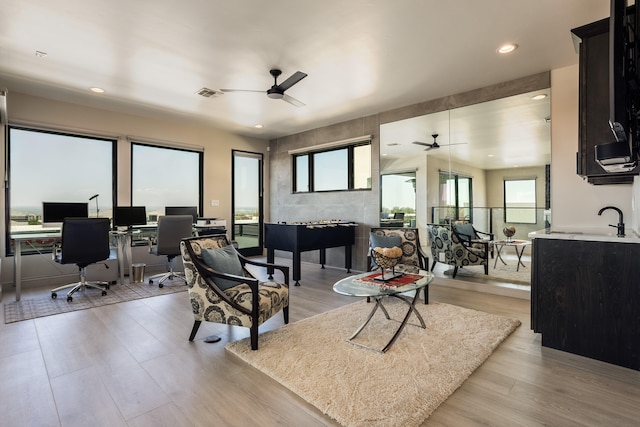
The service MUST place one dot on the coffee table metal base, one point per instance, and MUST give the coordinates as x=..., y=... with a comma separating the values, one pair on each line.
x=403, y=323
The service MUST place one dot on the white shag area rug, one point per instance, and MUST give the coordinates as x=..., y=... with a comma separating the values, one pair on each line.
x=360, y=387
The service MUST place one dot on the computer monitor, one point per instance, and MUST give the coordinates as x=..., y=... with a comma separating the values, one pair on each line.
x=182, y=210
x=53, y=213
x=127, y=216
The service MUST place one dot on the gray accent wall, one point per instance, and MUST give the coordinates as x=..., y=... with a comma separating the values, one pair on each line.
x=362, y=206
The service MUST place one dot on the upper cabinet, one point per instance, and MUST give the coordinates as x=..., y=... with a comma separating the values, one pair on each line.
x=592, y=42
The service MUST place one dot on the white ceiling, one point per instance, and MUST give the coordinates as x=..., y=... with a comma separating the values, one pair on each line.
x=361, y=56
x=504, y=133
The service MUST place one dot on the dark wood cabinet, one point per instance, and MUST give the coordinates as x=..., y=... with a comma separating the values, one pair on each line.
x=585, y=298
x=592, y=43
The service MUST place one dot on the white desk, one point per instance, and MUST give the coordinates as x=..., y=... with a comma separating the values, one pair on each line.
x=123, y=239
x=124, y=245
x=18, y=238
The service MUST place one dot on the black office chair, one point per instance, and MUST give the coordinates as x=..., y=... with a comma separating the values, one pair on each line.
x=85, y=241
x=171, y=230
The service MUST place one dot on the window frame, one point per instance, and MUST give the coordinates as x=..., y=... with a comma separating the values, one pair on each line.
x=411, y=175
x=7, y=196
x=455, y=208
x=534, y=209
x=200, y=154
x=311, y=168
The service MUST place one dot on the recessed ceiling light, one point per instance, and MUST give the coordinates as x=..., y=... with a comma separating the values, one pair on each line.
x=96, y=89
x=539, y=96
x=507, y=48
x=41, y=54
x=258, y=126
x=490, y=155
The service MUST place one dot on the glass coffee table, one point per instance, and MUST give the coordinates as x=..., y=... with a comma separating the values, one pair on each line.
x=365, y=285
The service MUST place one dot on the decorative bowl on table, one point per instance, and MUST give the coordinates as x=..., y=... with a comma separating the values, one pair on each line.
x=509, y=232
x=386, y=258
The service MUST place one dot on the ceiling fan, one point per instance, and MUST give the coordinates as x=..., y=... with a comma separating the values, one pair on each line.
x=435, y=143
x=277, y=90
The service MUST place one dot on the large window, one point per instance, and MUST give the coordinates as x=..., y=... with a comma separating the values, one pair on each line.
x=57, y=167
x=520, y=201
x=398, y=195
x=162, y=176
x=456, y=197
x=344, y=168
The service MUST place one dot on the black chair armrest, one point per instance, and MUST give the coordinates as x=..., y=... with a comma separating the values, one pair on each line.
x=283, y=268
x=483, y=242
x=482, y=233
x=423, y=259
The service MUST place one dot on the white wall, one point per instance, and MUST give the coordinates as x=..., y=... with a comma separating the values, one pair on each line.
x=575, y=202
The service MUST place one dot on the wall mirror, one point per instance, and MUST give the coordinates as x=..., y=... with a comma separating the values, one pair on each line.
x=479, y=151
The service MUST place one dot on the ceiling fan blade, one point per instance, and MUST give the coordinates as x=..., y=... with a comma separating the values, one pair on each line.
x=455, y=143
x=291, y=100
x=241, y=90
x=293, y=79
x=422, y=143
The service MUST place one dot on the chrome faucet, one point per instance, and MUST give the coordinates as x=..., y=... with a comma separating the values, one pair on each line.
x=620, y=225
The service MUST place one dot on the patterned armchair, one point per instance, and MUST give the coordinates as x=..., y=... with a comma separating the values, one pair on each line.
x=414, y=258
x=469, y=233
x=440, y=242
x=468, y=252
x=245, y=302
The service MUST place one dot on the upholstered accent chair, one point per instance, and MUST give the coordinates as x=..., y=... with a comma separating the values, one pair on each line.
x=414, y=258
x=440, y=243
x=469, y=233
x=236, y=298
x=466, y=252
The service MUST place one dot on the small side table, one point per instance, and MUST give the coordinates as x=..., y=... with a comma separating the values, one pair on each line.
x=518, y=245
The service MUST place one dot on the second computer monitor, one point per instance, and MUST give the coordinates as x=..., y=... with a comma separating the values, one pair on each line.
x=127, y=216
x=182, y=210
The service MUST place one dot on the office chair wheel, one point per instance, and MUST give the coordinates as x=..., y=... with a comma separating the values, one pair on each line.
x=104, y=293
x=160, y=285
x=107, y=286
x=150, y=281
x=69, y=299
x=54, y=295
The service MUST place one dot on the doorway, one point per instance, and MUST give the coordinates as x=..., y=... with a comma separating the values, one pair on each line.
x=247, y=202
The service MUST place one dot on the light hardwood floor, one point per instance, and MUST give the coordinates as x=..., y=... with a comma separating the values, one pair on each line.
x=131, y=364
